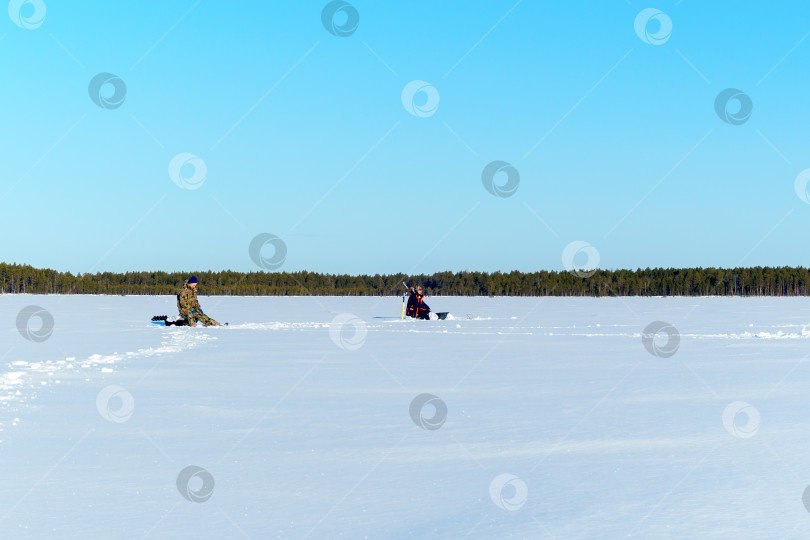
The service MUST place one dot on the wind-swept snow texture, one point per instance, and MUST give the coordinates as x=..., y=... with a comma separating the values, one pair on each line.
x=331, y=418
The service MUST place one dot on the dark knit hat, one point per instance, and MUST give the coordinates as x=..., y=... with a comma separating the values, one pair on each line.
x=192, y=279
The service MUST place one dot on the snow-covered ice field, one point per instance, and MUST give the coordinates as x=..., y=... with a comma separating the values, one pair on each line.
x=307, y=418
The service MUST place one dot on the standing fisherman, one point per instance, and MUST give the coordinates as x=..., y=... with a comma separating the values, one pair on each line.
x=190, y=308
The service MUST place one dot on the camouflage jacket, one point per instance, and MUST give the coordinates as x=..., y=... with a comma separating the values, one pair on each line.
x=187, y=300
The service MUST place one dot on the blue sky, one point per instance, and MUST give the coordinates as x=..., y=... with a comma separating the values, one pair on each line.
x=304, y=135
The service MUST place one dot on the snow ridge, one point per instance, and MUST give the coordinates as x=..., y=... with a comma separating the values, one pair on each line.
x=18, y=386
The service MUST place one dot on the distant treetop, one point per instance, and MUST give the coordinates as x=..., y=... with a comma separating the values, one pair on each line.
x=756, y=281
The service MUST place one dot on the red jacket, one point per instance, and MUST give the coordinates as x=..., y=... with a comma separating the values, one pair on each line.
x=417, y=307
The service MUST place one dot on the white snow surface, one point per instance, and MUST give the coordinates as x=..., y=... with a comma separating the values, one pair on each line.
x=559, y=422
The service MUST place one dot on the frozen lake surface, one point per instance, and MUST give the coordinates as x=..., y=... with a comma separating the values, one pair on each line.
x=320, y=418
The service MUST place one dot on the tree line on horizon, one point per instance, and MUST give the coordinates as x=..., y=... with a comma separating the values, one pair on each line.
x=756, y=281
